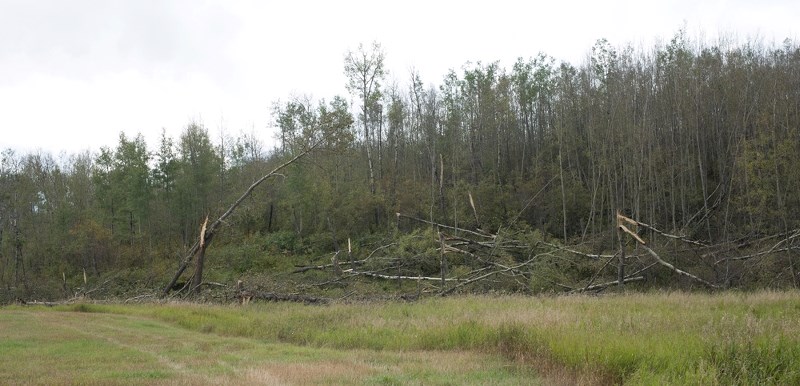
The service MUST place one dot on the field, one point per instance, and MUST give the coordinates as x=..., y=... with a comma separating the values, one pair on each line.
x=660, y=338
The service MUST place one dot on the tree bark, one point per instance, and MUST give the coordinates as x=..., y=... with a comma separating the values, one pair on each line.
x=621, y=263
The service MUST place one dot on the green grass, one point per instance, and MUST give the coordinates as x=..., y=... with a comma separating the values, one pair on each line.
x=664, y=338
x=82, y=345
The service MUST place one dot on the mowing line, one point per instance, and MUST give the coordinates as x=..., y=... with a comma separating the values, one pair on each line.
x=99, y=323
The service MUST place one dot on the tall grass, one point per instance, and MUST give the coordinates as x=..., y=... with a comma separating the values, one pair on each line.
x=663, y=338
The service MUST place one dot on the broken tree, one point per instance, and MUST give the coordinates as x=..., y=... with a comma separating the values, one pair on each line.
x=207, y=232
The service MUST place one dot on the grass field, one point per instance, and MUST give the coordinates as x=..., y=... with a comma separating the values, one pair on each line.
x=672, y=338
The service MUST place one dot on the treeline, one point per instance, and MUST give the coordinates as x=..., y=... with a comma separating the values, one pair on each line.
x=695, y=139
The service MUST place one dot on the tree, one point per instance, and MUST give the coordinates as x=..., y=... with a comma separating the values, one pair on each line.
x=131, y=179
x=364, y=71
x=197, y=177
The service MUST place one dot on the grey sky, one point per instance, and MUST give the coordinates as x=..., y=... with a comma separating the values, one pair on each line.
x=73, y=74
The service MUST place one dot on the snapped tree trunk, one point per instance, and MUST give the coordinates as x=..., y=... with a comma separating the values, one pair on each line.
x=210, y=231
x=201, y=257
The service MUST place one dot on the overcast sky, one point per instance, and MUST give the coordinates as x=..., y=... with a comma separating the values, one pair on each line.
x=74, y=74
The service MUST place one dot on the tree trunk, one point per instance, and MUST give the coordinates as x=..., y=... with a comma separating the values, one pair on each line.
x=201, y=257
x=621, y=263
x=442, y=261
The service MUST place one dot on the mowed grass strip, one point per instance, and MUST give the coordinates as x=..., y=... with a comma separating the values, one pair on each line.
x=42, y=348
x=38, y=346
x=661, y=338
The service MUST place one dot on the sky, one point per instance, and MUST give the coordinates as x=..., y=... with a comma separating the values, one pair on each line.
x=74, y=74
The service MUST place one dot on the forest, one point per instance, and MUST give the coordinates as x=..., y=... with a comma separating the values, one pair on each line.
x=673, y=166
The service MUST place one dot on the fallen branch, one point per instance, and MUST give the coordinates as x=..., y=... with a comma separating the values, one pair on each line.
x=301, y=269
x=399, y=277
x=488, y=244
x=676, y=270
x=589, y=255
x=609, y=284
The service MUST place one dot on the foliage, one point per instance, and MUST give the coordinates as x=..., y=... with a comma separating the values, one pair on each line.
x=694, y=139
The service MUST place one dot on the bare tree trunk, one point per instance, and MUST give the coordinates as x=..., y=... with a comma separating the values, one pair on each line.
x=621, y=263
x=442, y=260
x=441, y=184
x=563, y=193
x=371, y=173
x=197, y=280
x=395, y=169
x=380, y=142
x=19, y=262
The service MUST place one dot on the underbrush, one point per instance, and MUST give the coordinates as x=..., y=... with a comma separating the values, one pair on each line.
x=662, y=338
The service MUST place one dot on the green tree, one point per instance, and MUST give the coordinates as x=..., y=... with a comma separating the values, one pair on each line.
x=197, y=180
x=131, y=182
x=365, y=72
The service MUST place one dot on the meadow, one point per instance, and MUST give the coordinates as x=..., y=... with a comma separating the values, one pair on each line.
x=657, y=338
